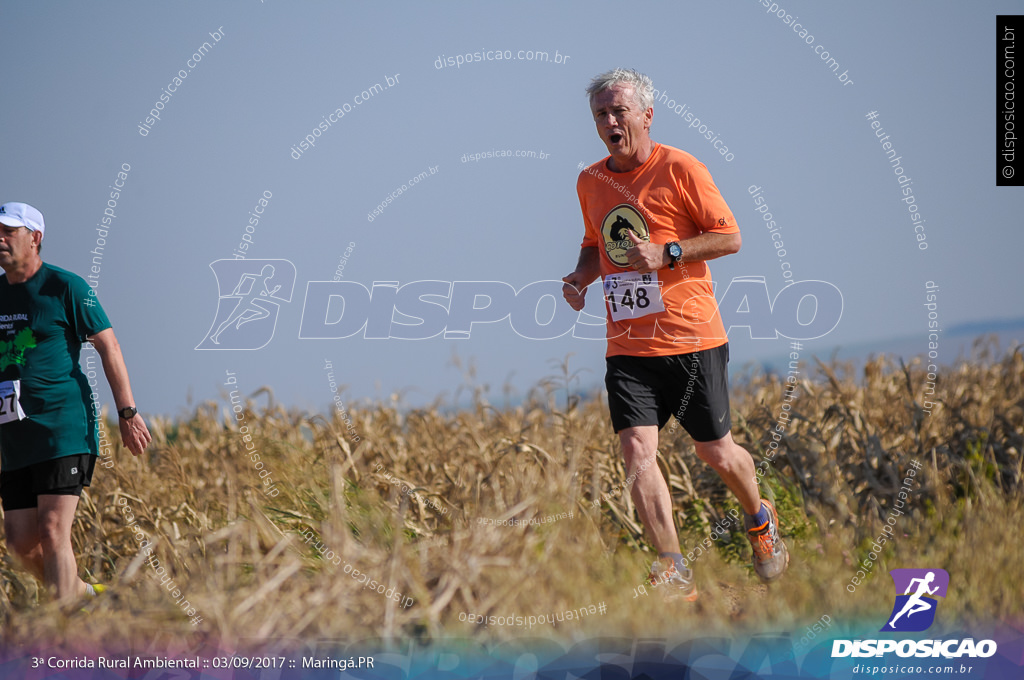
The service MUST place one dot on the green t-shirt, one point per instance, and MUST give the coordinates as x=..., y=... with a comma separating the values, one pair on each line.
x=43, y=323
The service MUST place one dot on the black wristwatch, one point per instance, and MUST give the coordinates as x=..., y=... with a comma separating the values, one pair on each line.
x=128, y=412
x=675, y=253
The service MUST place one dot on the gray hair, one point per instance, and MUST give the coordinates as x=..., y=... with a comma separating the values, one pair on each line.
x=643, y=88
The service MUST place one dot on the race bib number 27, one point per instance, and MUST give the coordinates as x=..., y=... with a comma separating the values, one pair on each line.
x=631, y=295
x=10, y=408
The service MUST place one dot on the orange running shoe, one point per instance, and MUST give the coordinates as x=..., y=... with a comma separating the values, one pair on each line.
x=770, y=554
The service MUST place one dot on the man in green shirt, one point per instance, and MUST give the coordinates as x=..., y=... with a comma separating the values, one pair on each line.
x=48, y=443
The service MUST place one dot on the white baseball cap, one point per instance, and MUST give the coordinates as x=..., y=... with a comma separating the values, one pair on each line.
x=22, y=215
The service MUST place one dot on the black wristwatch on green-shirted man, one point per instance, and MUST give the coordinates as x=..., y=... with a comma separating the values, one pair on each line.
x=128, y=412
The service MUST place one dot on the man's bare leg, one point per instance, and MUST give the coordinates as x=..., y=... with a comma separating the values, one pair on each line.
x=736, y=468
x=21, y=527
x=60, y=570
x=650, y=491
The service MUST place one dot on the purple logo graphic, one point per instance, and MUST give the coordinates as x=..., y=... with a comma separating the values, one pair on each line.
x=916, y=593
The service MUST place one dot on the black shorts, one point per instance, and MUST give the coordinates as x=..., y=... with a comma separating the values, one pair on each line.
x=693, y=387
x=65, y=476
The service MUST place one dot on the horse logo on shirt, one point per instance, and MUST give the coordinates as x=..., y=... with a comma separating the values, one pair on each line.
x=615, y=232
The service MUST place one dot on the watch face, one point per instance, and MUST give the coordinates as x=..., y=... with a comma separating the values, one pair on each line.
x=675, y=250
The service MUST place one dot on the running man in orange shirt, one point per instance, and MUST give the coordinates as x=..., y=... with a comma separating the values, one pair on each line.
x=654, y=217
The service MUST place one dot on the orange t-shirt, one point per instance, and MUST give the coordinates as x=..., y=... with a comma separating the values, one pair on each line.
x=671, y=197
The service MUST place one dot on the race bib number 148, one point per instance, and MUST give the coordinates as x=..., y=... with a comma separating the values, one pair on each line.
x=631, y=295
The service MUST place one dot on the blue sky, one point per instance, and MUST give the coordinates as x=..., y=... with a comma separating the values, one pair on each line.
x=80, y=79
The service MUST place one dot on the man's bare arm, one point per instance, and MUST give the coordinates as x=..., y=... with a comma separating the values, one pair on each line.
x=134, y=433
x=588, y=268
x=647, y=257
x=710, y=245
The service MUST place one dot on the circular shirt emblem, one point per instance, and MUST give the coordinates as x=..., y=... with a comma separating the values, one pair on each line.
x=615, y=228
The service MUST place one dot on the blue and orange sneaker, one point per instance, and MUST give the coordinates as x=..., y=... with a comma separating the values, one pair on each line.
x=770, y=554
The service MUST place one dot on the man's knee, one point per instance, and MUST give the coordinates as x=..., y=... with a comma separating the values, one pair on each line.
x=642, y=438
x=637, y=447
x=719, y=453
x=51, y=536
x=631, y=440
x=706, y=450
x=54, y=529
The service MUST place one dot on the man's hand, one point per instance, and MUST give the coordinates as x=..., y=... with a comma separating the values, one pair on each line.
x=645, y=257
x=575, y=290
x=588, y=269
x=134, y=434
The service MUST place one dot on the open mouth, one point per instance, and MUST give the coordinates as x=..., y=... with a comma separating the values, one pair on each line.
x=615, y=138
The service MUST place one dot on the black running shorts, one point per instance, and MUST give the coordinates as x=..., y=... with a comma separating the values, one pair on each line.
x=65, y=476
x=693, y=387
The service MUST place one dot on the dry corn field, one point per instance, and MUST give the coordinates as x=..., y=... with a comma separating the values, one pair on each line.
x=268, y=567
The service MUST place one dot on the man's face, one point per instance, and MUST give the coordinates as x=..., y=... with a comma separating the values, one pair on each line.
x=621, y=123
x=17, y=244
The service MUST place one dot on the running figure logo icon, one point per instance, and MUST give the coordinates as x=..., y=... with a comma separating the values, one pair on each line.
x=914, y=610
x=247, y=316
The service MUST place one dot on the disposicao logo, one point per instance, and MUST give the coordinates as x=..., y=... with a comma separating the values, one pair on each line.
x=914, y=611
x=258, y=289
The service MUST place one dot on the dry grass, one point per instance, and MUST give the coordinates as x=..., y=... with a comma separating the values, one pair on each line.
x=238, y=556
